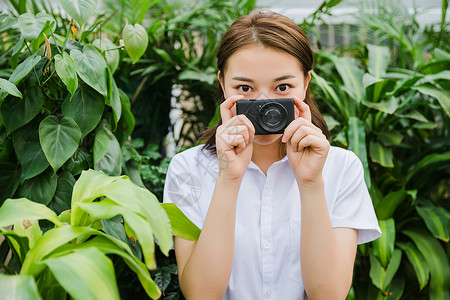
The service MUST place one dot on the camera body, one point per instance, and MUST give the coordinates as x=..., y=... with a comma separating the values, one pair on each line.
x=268, y=116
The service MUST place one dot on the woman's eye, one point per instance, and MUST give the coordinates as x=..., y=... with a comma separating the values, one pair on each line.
x=245, y=88
x=283, y=87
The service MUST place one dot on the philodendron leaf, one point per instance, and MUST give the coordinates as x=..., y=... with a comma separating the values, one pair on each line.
x=40, y=188
x=91, y=67
x=18, y=112
x=65, y=67
x=135, y=40
x=9, y=88
x=85, y=108
x=107, y=152
x=19, y=287
x=59, y=139
x=112, y=56
x=79, y=10
x=31, y=26
x=85, y=274
x=24, y=68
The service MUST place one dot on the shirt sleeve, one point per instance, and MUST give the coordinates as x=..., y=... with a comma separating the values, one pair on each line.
x=183, y=188
x=353, y=207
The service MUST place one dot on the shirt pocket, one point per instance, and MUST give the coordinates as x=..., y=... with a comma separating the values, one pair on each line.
x=295, y=272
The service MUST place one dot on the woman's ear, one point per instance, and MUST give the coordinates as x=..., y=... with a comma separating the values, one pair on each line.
x=220, y=77
x=307, y=80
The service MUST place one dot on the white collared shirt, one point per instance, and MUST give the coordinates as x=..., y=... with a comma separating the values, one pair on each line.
x=266, y=262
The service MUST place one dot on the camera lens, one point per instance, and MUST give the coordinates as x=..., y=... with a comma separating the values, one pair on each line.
x=272, y=117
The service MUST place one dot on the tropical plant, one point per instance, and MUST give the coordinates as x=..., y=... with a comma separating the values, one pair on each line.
x=108, y=216
x=390, y=105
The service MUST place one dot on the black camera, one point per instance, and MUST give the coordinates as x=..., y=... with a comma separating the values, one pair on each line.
x=269, y=116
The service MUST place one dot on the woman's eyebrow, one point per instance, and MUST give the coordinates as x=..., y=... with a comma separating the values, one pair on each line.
x=242, y=79
x=284, y=77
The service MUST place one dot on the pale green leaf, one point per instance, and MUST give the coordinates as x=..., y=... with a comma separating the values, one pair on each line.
x=79, y=10
x=16, y=210
x=31, y=26
x=14, y=287
x=182, y=227
x=436, y=221
x=382, y=277
x=443, y=96
x=379, y=57
x=111, y=162
x=381, y=155
x=135, y=40
x=112, y=56
x=357, y=144
x=24, y=68
x=9, y=88
x=65, y=68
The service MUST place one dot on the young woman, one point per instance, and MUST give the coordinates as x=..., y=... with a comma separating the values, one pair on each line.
x=282, y=214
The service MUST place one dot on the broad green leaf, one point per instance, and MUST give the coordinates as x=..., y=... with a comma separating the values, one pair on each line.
x=379, y=57
x=386, y=207
x=135, y=40
x=81, y=160
x=436, y=221
x=18, y=287
x=59, y=139
x=437, y=261
x=441, y=95
x=197, y=75
x=91, y=67
x=390, y=138
x=63, y=194
x=18, y=244
x=85, y=108
x=9, y=88
x=182, y=227
x=383, y=247
x=29, y=151
x=30, y=229
x=381, y=155
x=18, y=112
x=112, y=56
x=382, y=277
x=13, y=60
x=389, y=106
x=427, y=169
x=40, y=188
x=9, y=180
x=113, y=98
x=31, y=26
x=418, y=262
x=79, y=10
x=85, y=274
x=111, y=161
x=330, y=94
x=65, y=67
x=16, y=210
x=127, y=120
x=24, y=68
x=357, y=144
x=405, y=85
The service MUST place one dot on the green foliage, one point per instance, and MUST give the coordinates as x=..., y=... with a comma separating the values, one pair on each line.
x=75, y=250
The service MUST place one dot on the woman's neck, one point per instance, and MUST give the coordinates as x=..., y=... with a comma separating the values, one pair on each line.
x=265, y=155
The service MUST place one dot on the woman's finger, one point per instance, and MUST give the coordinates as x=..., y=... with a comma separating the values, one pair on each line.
x=295, y=125
x=302, y=107
x=302, y=133
x=225, y=108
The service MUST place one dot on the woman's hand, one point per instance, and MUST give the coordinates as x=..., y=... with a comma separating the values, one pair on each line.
x=234, y=141
x=306, y=145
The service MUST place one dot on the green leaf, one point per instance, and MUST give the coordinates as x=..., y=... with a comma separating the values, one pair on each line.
x=9, y=180
x=9, y=88
x=379, y=57
x=91, y=67
x=357, y=144
x=85, y=108
x=65, y=67
x=112, y=56
x=389, y=106
x=380, y=276
x=386, y=207
x=29, y=151
x=197, y=75
x=441, y=95
x=30, y=229
x=18, y=287
x=436, y=221
x=437, y=261
x=330, y=94
x=59, y=139
x=107, y=152
x=135, y=40
x=418, y=262
x=85, y=274
x=113, y=98
x=24, y=68
x=383, y=247
x=16, y=210
x=79, y=10
x=127, y=120
x=381, y=155
x=31, y=26
x=81, y=160
x=182, y=227
x=63, y=194
x=40, y=188
x=427, y=169
x=391, y=138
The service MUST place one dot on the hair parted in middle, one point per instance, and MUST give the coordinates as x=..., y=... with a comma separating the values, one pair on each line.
x=271, y=30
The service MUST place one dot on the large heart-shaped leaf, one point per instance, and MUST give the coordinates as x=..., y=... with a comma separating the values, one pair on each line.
x=18, y=112
x=24, y=68
x=135, y=40
x=85, y=108
x=107, y=153
x=91, y=67
x=79, y=10
x=9, y=180
x=63, y=194
x=29, y=151
x=112, y=56
x=59, y=139
x=65, y=67
x=10, y=88
x=31, y=26
x=40, y=188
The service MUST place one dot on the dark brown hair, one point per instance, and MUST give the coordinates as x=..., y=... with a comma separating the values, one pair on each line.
x=270, y=30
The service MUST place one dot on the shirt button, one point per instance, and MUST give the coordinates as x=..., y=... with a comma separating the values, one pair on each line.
x=268, y=293
x=267, y=245
x=267, y=199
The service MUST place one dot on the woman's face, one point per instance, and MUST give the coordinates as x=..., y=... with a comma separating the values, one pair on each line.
x=259, y=72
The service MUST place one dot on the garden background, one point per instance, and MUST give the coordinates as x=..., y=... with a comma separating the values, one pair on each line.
x=90, y=91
